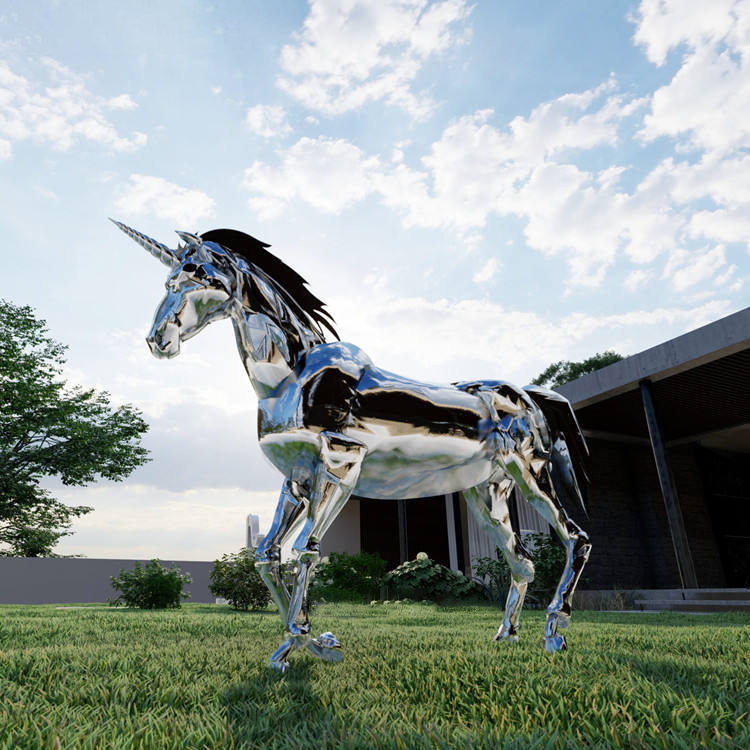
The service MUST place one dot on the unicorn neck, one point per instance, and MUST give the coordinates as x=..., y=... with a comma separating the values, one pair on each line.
x=264, y=350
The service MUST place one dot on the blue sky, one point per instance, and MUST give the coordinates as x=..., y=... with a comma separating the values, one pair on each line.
x=475, y=189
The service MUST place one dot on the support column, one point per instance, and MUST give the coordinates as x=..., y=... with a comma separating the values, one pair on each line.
x=403, y=541
x=450, y=525
x=459, y=530
x=680, y=543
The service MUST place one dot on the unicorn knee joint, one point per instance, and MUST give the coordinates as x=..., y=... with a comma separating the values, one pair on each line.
x=308, y=556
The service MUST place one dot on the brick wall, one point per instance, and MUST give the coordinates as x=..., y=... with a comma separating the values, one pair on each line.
x=698, y=524
x=628, y=523
x=624, y=530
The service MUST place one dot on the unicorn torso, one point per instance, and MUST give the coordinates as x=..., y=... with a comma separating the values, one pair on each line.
x=421, y=439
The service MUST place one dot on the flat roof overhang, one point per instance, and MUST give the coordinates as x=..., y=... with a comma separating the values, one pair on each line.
x=700, y=384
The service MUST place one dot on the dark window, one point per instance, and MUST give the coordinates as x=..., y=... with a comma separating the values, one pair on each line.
x=427, y=529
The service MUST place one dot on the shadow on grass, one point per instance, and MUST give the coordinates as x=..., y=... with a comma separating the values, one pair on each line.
x=716, y=698
x=665, y=619
x=274, y=710
x=226, y=609
x=694, y=681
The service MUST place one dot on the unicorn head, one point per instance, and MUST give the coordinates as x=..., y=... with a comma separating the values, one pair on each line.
x=200, y=288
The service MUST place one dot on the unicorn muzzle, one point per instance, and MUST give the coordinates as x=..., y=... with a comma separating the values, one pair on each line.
x=164, y=341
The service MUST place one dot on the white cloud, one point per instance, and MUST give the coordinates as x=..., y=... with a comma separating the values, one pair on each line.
x=154, y=196
x=664, y=24
x=329, y=174
x=351, y=52
x=267, y=121
x=144, y=521
x=685, y=269
x=475, y=170
x=46, y=193
x=58, y=112
x=709, y=97
x=121, y=102
x=725, y=225
x=725, y=180
x=532, y=169
x=726, y=276
x=486, y=272
x=636, y=279
x=494, y=341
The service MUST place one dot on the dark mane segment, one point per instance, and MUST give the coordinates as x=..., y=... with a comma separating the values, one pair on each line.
x=291, y=284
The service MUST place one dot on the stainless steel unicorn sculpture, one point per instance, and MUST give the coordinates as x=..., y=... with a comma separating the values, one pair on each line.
x=334, y=424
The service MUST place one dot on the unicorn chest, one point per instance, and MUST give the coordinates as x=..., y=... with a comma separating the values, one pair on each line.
x=320, y=395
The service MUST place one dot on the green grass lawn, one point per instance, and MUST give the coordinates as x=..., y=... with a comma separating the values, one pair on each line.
x=414, y=676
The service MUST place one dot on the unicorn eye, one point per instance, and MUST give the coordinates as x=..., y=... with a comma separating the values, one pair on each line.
x=194, y=270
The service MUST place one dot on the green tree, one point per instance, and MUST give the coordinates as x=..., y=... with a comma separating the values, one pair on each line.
x=563, y=372
x=48, y=429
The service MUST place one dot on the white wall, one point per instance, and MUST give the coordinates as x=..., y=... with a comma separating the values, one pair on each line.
x=344, y=536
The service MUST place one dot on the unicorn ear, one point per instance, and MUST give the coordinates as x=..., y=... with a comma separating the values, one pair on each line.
x=192, y=240
x=163, y=253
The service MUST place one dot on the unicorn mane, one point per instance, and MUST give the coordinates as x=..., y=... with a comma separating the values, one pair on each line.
x=303, y=310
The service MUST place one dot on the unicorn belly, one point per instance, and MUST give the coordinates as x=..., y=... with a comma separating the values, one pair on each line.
x=394, y=467
x=408, y=469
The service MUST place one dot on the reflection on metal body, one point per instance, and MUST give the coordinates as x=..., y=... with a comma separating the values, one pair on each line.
x=334, y=423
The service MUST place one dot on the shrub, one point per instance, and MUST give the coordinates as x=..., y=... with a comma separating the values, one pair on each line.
x=344, y=577
x=235, y=578
x=549, y=561
x=493, y=575
x=150, y=587
x=424, y=578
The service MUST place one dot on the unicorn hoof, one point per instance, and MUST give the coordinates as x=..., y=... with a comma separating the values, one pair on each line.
x=328, y=640
x=278, y=661
x=555, y=643
x=327, y=647
x=505, y=636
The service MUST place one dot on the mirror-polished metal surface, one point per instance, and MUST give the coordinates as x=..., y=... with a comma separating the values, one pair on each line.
x=333, y=423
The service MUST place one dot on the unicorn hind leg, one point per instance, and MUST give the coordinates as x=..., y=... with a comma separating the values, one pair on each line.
x=539, y=492
x=489, y=504
x=518, y=439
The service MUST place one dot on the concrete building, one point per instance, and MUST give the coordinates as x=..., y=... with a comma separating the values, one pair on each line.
x=669, y=434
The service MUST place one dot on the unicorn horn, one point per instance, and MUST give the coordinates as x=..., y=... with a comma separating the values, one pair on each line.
x=166, y=255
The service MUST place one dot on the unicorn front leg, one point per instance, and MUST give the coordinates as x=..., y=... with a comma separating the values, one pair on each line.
x=268, y=555
x=334, y=477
